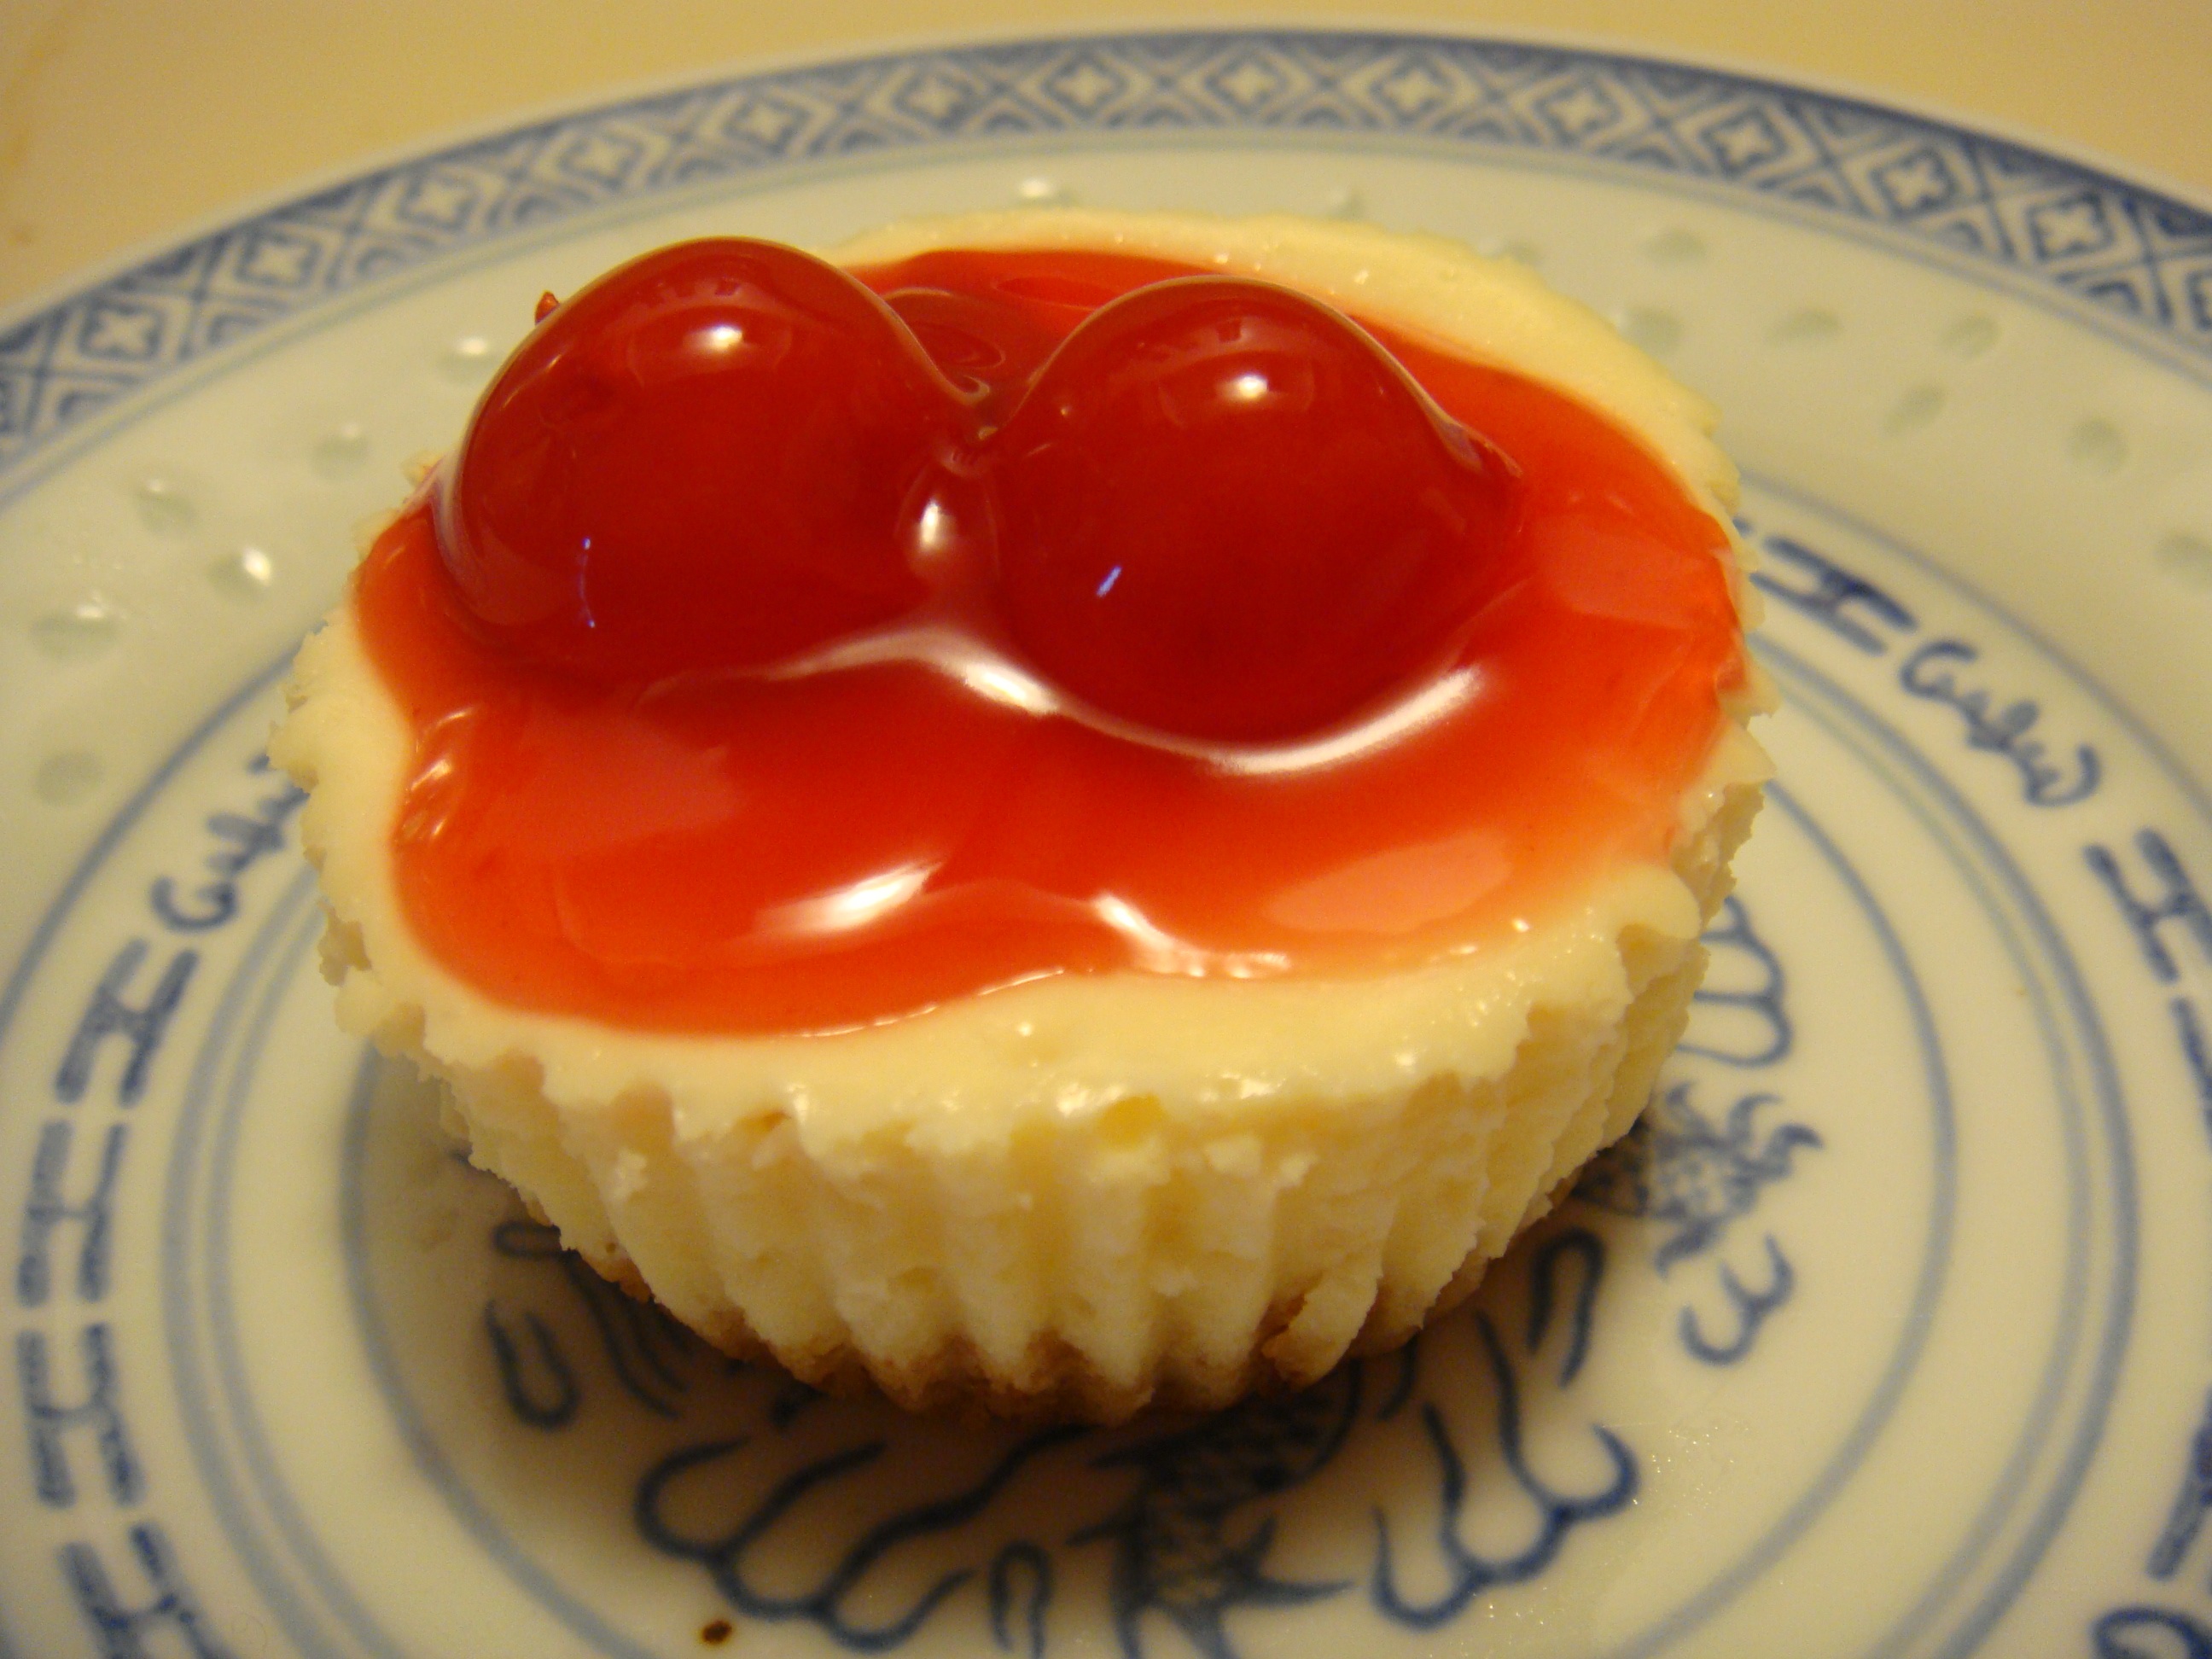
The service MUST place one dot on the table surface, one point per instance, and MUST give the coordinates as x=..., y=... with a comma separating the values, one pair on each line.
x=124, y=122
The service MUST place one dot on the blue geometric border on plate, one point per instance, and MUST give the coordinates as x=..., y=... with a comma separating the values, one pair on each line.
x=2131, y=254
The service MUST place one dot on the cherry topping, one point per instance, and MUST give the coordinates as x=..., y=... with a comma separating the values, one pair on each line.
x=776, y=853
x=1227, y=513
x=711, y=458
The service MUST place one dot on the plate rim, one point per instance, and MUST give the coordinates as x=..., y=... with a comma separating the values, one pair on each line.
x=27, y=440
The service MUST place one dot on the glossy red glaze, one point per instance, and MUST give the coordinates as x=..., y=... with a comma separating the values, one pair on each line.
x=756, y=854
x=707, y=460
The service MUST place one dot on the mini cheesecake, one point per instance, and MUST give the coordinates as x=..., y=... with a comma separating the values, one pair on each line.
x=968, y=993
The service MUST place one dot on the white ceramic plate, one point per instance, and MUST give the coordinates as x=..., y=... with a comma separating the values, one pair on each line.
x=1891, y=1334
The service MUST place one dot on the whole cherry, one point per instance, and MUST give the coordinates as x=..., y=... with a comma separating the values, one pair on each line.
x=712, y=458
x=1228, y=513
